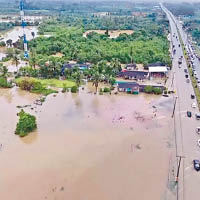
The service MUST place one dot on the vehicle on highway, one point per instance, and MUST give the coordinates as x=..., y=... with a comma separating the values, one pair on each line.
x=198, y=81
x=196, y=165
x=198, y=142
x=198, y=130
x=185, y=70
x=179, y=61
x=192, y=96
x=189, y=114
x=186, y=76
x=187, y=80
x=194, y=105
x=179, y=45
x=197, y=116
x=194, y=72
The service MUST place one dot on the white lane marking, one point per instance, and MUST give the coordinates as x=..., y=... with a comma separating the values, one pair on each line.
x=188, y=167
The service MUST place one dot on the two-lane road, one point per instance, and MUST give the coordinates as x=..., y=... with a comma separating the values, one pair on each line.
x=184, y=127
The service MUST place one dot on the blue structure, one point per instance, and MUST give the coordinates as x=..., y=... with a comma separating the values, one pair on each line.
x=23, y=24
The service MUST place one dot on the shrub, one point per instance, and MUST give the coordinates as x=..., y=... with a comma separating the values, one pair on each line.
x=2, y=44
x=34, y=86
x=101, y=91
x=4, y=83
x=106, y=89
x=64, y=88
x=148, y=89
x=74, y=89
x=165, y=92
x=157, y=90
x=26, y=124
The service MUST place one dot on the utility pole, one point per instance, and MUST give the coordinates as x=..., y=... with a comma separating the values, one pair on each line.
x=179, y=165
x=174, y=106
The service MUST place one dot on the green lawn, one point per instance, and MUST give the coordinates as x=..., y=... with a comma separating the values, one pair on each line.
x=52, y=82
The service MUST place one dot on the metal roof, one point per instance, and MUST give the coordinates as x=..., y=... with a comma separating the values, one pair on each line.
x=158, y=69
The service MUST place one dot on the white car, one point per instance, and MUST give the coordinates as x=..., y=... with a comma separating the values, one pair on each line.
x=194, y=105
x=198, y=130
x=198, y=142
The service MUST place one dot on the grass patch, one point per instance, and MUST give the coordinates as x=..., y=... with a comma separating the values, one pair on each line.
x=51, y=82
x=58, y=83
x=33, y=85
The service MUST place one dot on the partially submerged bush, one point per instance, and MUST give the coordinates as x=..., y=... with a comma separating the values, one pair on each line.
x=152, y=90
x=26, y=124
x=106, y=89
x=157, y=90
x=148, y=89
x=34, y=86
x=74, y=89
x=4, y=83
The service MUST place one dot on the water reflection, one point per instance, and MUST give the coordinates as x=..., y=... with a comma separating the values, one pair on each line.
x=31, y=138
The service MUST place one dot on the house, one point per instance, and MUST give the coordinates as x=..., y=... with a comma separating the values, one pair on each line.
x=134, y=75
x=158, y=72
x=134, y=88
x=157, y=64
x=129, y=87
x=71, y=66
x=131, y=67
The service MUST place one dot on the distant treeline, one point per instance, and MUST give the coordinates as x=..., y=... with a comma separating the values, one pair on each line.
x=187, y=9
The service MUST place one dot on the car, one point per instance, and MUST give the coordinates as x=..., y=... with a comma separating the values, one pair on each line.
x=187, y=80
x=198, y=142
x=197, y=116
x=193, y=105
x=192, y=96
x=186, y=76
x=185, y=70
x=198, y=130
x=198, y=81
x=189, y=114
x=196, y=165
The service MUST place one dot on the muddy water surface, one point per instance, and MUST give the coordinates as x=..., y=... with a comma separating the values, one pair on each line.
x=86, y=147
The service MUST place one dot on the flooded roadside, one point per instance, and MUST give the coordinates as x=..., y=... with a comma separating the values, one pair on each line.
x=17, y=32
x=86, y=147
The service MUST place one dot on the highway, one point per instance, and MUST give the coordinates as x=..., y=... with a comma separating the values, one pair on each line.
x=184, y=130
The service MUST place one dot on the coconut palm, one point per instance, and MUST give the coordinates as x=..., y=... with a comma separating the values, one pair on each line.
x=78, y=76
x=96, y=78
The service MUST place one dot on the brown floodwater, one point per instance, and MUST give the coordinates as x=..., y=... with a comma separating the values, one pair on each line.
x=86, y=147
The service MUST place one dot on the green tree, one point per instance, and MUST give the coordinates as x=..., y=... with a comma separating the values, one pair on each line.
x=26, y=124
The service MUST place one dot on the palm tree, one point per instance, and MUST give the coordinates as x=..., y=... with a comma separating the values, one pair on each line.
x=32, y=60
x=16, y=59
x=96, y=78
x=3, y=70
x=78, y=77
x=33, y=34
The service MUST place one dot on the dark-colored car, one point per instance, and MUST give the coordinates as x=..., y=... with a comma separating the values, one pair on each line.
x=186, y=76
x=192, y=96
x=197, y=116
x=185, y=70
x=189, y=114
x=196, y=165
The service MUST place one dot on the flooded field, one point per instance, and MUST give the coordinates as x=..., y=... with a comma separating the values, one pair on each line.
x=17, y=32
x=86, y=147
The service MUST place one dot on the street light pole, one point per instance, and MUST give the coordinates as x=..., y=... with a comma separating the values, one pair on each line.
x=179, y=165
x=174, y=107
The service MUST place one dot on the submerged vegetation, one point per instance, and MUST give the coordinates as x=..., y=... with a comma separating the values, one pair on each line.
x=33, y=85
x=26, y=124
